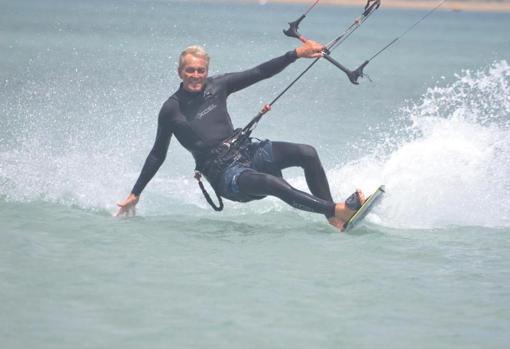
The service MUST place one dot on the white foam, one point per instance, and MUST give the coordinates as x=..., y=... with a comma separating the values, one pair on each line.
x=451, y=165
x=445, y=161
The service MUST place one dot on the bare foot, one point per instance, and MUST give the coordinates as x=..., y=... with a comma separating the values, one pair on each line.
x=344, y=213
x=336, y=222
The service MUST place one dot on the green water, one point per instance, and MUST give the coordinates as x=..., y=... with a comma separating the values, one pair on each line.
x=82, y=83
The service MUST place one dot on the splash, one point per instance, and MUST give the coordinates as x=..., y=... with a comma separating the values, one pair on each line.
x=447, y=160
x=69, y=140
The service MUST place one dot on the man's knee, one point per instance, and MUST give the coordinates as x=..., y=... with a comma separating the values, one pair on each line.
x=308, y=153
x=268, y=181
x=258, y=179
x=260, y=183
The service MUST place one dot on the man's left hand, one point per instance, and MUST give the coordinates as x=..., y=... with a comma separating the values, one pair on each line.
x=310, y=49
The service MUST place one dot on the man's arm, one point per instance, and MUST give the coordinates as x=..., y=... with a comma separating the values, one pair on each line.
x=152, y=164
x=238, y=81
x=155, y=159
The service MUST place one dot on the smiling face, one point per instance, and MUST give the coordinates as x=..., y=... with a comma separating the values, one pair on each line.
x=193, y=72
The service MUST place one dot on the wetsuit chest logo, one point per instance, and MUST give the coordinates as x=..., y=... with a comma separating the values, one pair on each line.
x=206, y=111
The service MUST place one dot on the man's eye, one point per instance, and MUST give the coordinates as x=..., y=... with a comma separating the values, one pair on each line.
x=198, y=70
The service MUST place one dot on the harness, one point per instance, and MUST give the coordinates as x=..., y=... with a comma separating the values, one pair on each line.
x=220, y=158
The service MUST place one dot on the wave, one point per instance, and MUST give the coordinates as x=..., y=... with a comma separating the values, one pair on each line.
x=444, y=159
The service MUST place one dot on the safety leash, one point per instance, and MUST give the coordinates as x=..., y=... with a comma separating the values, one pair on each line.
x=198, y=177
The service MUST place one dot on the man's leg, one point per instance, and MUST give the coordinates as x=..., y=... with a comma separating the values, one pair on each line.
x=287, y=155
x=255, y=183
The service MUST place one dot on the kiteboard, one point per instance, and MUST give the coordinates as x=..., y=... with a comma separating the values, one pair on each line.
x=365, y=208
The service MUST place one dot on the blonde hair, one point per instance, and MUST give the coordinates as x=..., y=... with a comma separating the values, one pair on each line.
x=195, y=51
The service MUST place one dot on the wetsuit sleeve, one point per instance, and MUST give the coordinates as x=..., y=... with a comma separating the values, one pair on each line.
x=237, y=81
x=157, y=155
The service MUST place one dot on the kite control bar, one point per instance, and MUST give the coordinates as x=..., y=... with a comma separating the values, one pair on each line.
x=353, y=75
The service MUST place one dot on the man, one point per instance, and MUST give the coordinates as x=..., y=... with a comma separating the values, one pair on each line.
x=197, y=115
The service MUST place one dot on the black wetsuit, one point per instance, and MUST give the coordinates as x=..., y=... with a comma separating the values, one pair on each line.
x=200, y=122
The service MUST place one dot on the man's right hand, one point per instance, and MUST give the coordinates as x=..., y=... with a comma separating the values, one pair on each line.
x=128, y=206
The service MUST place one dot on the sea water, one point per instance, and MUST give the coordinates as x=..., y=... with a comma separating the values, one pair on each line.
x=81, y=86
